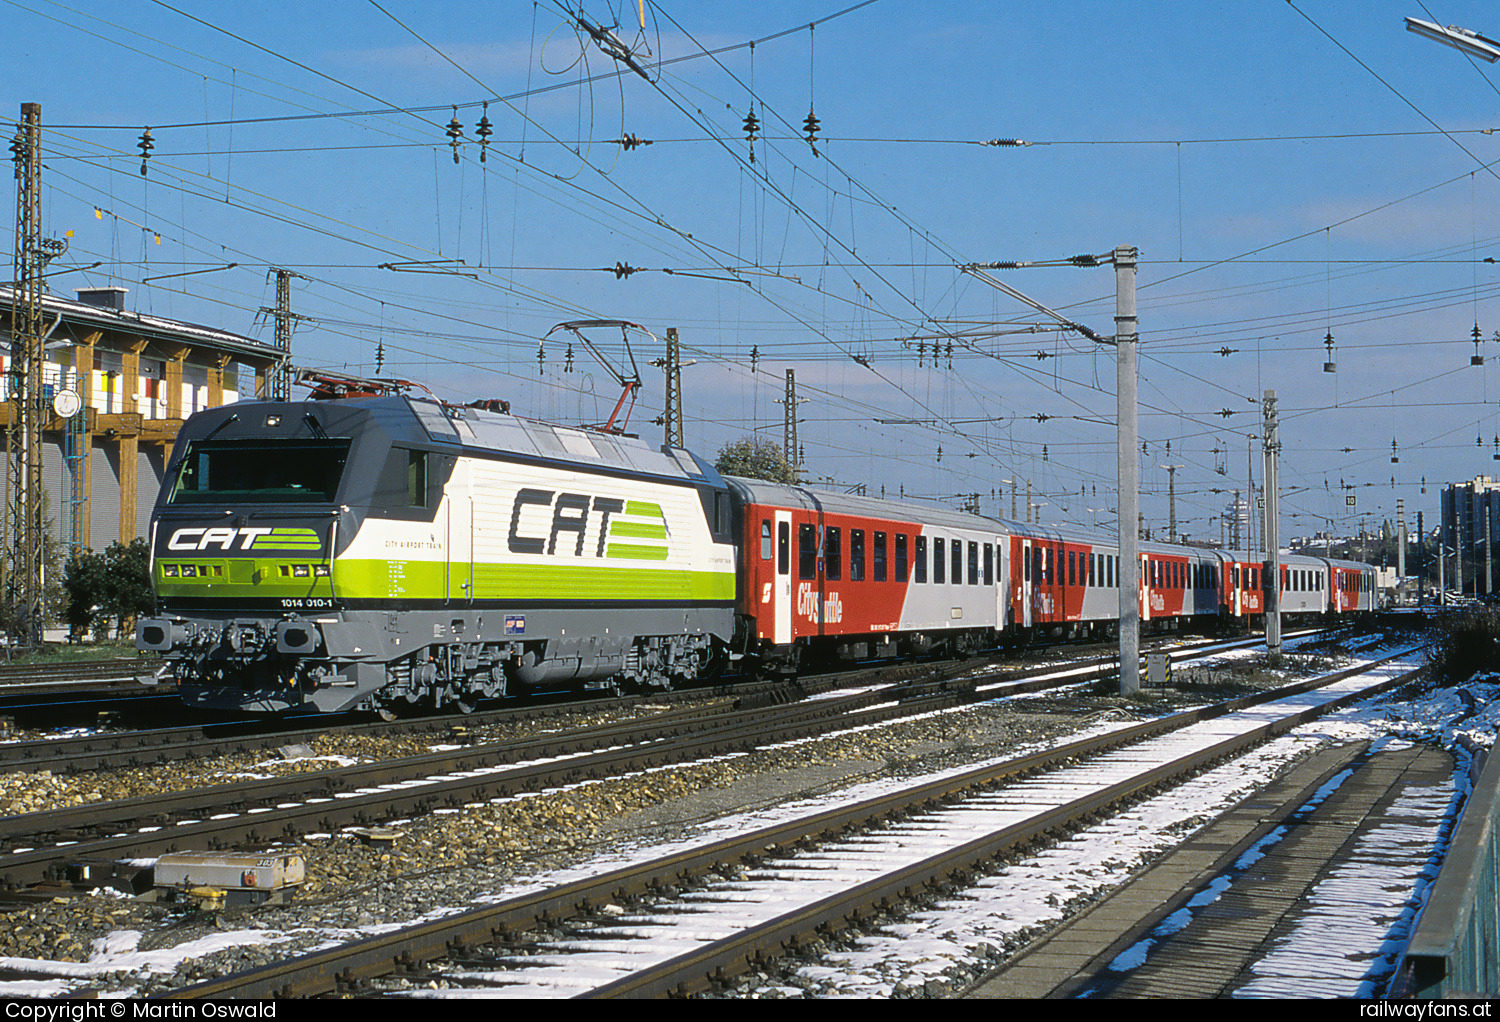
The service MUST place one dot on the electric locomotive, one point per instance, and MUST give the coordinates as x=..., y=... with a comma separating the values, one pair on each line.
x=380, y=552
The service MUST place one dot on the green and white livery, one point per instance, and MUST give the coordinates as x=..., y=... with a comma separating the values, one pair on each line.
x=373, y=552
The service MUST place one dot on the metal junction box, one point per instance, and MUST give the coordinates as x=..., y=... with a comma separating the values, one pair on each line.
x=245, y=877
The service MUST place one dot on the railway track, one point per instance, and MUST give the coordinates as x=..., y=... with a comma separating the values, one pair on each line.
x=62, y=684
x=37, y=847
x=114, y=749
x=1004, y=807
x=257, y=811
x=45, y=847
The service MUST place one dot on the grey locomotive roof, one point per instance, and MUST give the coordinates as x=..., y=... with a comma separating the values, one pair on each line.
x=585, y=448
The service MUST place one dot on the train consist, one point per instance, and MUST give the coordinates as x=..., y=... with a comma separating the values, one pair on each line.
x=384, y=552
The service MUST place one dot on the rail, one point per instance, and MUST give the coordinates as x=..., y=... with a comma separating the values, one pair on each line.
x=1453, y=952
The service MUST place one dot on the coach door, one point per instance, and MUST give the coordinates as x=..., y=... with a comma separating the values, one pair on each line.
x=1002, y=582
x=781, y=587
x=1024, y=582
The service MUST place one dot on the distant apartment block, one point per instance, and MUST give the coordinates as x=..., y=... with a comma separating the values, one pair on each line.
x=1471, y=521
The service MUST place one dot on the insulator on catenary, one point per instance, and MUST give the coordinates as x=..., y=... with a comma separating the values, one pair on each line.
x=484, y=131
x=455, y=134
x=146, y=146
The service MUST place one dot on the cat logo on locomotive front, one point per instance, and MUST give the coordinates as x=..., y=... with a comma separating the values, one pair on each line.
x=258, y=538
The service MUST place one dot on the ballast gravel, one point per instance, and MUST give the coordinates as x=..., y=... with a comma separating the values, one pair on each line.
x=454, y=858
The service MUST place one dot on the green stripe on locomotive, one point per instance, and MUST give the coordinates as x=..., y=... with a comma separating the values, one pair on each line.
x=355, y=579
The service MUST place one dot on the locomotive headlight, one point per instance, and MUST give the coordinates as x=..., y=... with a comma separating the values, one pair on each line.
x=301, y=571
x=321, y=570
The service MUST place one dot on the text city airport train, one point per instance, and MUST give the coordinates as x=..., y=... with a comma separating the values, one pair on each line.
x=386, y=552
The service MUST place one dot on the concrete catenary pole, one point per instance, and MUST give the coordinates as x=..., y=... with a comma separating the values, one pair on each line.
x=1272, y=584
x=1126, y=339
x=1401, y=549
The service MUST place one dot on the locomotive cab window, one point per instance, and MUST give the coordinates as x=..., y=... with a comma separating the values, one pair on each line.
x=300, y=472
x=416, y=478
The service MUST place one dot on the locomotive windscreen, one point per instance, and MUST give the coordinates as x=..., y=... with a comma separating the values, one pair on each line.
x=298, y=472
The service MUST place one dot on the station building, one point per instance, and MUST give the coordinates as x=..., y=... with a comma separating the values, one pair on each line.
x=136, y=378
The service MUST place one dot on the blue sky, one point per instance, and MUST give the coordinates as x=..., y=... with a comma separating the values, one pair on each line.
x=1282, y=168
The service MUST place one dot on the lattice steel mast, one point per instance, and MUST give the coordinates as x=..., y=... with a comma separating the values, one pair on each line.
x=25, y=528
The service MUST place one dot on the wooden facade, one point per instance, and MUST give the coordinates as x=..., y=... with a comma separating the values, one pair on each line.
x=138, y=378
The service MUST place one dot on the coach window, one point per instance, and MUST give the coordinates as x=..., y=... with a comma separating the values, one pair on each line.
x=973, y=564
x=1047, y=567
x=1072, y=567
x=856, y=555
x=765, y=539
x=877, y=557
x=900, y=557
x=919, y=562
x=989, y=564
x=939, y=563
x=833, y=554
x=807, y=552
x=957, y=547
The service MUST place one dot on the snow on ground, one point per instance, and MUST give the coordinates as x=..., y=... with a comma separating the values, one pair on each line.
x=998, y=909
